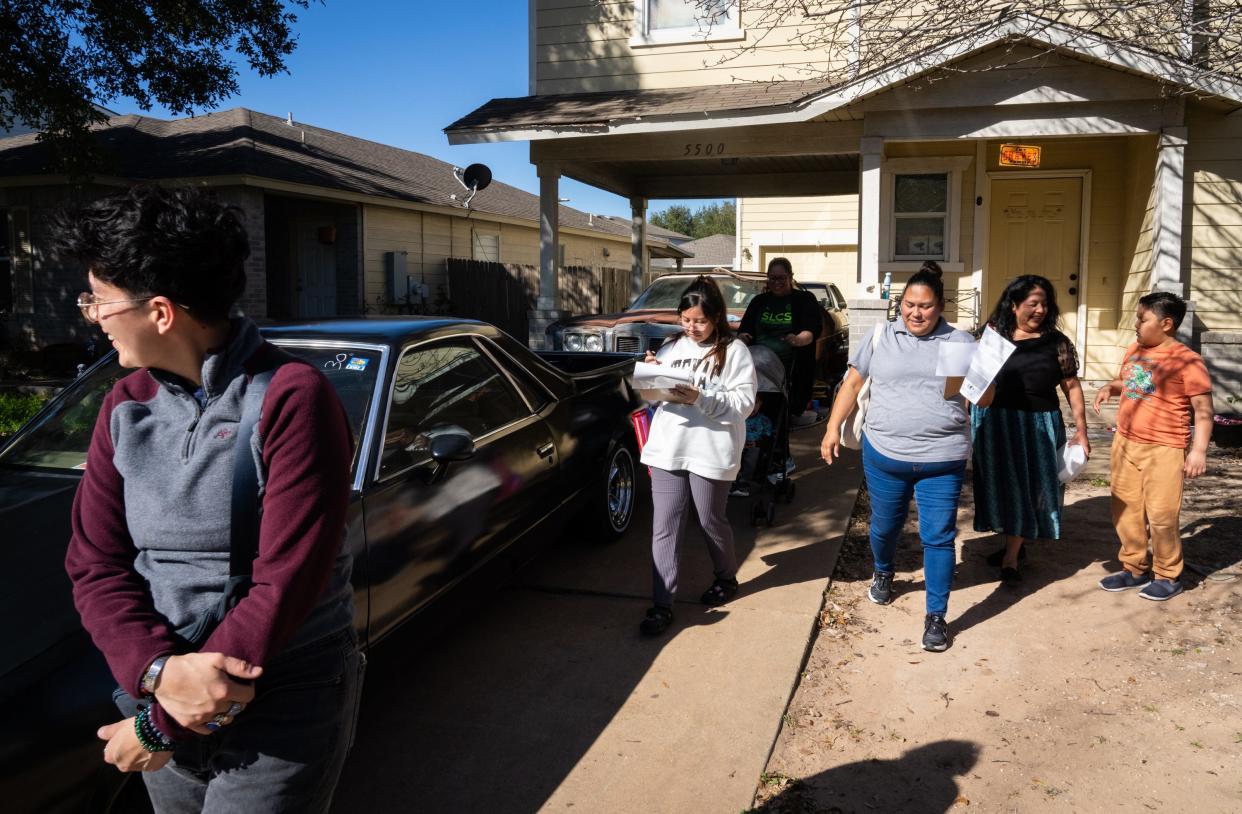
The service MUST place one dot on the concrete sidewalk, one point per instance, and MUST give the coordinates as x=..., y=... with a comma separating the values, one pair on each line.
x=549, y=699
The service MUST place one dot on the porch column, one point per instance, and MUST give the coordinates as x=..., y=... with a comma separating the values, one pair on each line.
x=638, y=244
x=549, y=234
x=545, y=312
x=870, y=154
x=1166, y=230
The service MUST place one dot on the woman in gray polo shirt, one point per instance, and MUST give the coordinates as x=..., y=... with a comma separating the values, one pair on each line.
x=915, y=443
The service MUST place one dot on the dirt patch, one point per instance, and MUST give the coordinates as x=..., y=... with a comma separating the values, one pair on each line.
x=1055, y=695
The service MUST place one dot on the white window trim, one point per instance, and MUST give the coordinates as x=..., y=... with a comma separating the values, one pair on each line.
x=955, y=167
x=643, y=38
x=476, y=244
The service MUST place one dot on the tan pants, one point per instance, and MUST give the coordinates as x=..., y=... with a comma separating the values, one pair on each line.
x=1147, y=504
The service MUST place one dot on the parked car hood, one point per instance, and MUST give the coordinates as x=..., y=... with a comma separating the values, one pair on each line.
x=651, y=316
x=36, y=604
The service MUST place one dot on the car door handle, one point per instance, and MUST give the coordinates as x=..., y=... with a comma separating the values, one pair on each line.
x=546, y=451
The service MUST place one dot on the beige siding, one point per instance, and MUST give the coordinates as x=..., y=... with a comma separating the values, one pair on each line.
x=584, y=45
x=794, y=228
x=1212, y=248
x=1140, y=216
x=429, y=239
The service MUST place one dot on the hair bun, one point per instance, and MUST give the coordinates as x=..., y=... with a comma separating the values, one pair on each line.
x=933, y=268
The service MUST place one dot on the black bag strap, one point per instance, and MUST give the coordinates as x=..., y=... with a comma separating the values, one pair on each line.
x=244, y=528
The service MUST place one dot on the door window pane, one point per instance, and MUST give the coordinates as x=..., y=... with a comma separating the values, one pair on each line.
x=439, y=385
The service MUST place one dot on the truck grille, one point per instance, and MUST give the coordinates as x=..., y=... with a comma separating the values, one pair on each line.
x=628, y=344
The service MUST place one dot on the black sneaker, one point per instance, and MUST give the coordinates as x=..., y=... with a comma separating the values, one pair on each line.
x=935, y=633
x=722, y=591
x=1158, y=590
x=1124, y=581
x=881, y=591
x=657, y=620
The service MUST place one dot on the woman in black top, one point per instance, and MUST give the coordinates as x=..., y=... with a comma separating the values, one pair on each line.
x=1018, y=438
x=787, y=321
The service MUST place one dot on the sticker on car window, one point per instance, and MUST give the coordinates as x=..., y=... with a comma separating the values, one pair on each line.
x=357, y=363
x=335, y=364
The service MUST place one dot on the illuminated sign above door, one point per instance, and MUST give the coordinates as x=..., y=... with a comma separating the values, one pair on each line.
x=1019, y=155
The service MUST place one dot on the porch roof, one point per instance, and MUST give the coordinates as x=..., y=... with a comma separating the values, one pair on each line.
x=755, y=103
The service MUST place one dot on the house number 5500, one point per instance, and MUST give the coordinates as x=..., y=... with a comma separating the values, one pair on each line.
x=704, y=149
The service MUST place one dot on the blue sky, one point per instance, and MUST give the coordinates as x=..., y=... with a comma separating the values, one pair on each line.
x=398, y=72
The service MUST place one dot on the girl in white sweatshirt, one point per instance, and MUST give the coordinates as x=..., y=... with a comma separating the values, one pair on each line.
x=694, y=448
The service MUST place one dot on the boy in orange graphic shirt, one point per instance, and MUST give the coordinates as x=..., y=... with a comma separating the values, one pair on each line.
x=1161, y=381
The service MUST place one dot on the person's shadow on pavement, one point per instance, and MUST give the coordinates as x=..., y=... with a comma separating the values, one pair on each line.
x=922, y=780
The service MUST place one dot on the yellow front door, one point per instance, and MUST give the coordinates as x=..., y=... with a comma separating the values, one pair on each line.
x=1036, y=228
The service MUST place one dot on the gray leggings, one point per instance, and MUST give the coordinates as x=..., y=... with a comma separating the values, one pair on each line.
x=671, y=494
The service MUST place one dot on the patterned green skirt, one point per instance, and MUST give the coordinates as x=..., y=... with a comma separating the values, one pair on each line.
x=1015, y=471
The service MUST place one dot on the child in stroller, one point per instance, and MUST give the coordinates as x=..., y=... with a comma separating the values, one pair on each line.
x=765, y=464
x=759, y=435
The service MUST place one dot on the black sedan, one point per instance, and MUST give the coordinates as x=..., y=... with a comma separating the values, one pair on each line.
x=466, y=441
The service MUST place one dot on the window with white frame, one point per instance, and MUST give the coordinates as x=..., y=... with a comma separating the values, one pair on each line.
x=486, y=247
x=921, y=212
x=920, y=216
x=668, y=21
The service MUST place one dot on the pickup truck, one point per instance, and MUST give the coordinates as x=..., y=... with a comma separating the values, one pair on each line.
x=465, y=443
x=652, y=318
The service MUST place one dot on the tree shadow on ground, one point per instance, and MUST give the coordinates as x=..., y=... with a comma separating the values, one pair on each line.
x=923, y=780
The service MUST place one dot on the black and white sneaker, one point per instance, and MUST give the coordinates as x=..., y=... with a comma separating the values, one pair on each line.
x=881, y=591
x=935, y=633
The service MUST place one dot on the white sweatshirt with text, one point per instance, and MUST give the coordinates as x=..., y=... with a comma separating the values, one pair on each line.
x=706, y=437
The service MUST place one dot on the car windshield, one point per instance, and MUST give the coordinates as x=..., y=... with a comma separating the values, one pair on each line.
x=665, y=292
x=60, y=436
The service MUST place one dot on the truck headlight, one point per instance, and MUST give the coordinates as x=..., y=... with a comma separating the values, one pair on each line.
x=572, y=341
x=594, y=342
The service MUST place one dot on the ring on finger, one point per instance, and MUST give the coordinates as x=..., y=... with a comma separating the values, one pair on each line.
x=234, y=709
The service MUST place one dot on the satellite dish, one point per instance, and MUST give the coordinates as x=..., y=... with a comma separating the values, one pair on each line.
x=474, y=178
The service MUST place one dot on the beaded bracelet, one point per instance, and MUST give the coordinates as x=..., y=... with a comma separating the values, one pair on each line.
x=148, y=734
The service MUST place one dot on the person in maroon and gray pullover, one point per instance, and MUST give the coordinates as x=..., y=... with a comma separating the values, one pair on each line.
x=260, y=715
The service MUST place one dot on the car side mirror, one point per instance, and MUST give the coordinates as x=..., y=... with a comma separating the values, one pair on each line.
x=451, y=444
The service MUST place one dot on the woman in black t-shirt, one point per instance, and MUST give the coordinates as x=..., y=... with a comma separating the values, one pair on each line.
x=1017, y=439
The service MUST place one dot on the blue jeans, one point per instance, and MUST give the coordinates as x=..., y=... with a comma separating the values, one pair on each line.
x=285, y=751
x=936, y=488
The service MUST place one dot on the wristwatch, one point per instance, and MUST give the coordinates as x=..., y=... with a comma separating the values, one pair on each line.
x=152, y=676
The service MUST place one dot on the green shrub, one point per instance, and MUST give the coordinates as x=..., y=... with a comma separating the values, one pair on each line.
x=16, y=409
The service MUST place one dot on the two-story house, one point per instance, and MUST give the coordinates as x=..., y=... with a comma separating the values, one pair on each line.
x=1025, y=146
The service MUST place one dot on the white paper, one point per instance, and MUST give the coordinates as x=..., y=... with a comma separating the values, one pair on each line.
x=955, y=358
x=648, y=376
x=1073, y=459
x=991, y=351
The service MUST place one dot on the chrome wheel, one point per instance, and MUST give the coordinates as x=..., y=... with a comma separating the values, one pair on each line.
x=620, y=490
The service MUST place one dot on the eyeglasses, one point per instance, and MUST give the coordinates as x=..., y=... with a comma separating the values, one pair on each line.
x=90, y=306
x=778, y=278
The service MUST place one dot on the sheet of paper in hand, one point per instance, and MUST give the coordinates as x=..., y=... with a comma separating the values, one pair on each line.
x=955, y=358
x=991, y=351
x=654, y=382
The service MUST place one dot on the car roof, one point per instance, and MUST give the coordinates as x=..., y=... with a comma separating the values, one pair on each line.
x=390, y=330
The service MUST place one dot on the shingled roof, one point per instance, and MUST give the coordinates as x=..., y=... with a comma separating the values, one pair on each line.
x=244, y=142
x=710, y=252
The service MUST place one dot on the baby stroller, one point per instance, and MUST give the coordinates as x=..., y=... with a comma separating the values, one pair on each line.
x=770, y=476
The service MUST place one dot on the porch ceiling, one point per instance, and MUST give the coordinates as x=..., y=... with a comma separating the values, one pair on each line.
x=736, y=176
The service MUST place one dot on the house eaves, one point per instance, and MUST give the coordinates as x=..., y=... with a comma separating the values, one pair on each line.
x=742, y=104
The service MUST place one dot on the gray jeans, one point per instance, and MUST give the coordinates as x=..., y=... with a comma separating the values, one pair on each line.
x=671, y=495
x=285, y=752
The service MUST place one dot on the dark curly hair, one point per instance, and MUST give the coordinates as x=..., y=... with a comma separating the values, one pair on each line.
x=180, y=243
x=1003, y=320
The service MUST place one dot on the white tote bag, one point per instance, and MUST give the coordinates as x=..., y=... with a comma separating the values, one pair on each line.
x=852, y=427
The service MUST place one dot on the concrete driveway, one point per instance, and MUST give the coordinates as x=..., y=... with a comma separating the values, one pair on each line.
x=544, y=696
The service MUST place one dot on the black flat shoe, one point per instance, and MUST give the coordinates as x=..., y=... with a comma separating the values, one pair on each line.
x=657, y=621
x=997, y=557
x=722, y=591
x=1011, y=576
